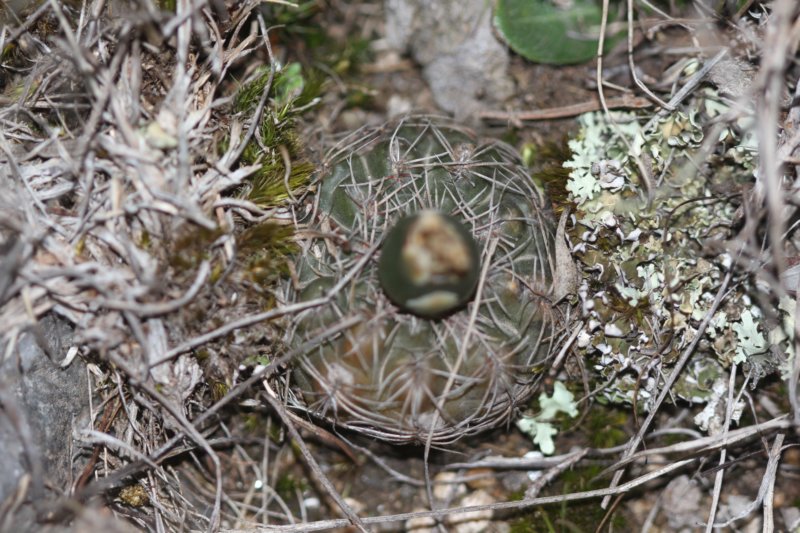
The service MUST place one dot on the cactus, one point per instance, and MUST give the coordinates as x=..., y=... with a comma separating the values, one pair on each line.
x=428, y=255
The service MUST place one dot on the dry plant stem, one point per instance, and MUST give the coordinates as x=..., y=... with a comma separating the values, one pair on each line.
x=643, y=173
x=29, y=21
x=723, y=453
x=165, y=451
x=161, y=308
x=109, y=413
x=707, y=444
x=489, y=250
x=179, y=92
x=552, y=473
x=267, y=315
x=309, y=459
x=786, y=152
x=666, y=388
x=767, y=483
x=323, y=435
x=188, y=428
x=262, y=101
x=632, y=65
x=691, y=84
x=559, y=358
x=622, y=102
x=500, y=506
x=522, y=463
x=697, y=446
x=375, y=458
x=770, y=182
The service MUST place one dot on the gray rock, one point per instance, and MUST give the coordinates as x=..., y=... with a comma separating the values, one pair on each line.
x=40, y=404
x=463, y=62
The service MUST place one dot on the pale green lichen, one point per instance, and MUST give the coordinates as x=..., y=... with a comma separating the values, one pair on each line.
x=751, y=341
x=648, y=277
x=538, y=427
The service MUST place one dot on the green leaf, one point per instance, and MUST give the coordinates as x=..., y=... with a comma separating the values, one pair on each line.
x=546, y=33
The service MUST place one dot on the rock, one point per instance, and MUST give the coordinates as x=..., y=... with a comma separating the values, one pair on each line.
x=446, y=487
x=41, y=404
x=474, y=521
x=464, y=64
x=683, y=499
x=421, y=524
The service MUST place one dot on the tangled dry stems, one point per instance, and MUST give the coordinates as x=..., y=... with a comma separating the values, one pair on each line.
x=109, y=140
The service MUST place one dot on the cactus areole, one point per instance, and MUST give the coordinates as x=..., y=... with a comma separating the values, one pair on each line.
x=433, y=250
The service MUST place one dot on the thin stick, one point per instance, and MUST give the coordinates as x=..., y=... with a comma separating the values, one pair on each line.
x=723, y=453
x=309, y=459
x=667, y=387
x=500, y=506
x=491, y=248
x=622, y=102
x=639, y=83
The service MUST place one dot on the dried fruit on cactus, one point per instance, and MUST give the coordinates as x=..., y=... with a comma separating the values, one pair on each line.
x=429, y=254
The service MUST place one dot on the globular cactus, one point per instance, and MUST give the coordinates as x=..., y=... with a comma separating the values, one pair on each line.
x=435, y=251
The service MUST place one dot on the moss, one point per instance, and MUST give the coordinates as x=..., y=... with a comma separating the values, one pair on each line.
x=134, y=495
x=167, y=5
x=292, y=87
x=216, y=273
x=575, y=517
x=253, y=423
x=546, y=162
x=191, y=247
x=606, y=426
x=270, y=186
x=578, y=516
x=276, y=141
x=289, y=485
x=80, y=246
x=218, y=390
x=145, y=240
x=264, y=249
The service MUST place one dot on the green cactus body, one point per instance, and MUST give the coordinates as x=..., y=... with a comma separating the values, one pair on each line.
x=386, y=365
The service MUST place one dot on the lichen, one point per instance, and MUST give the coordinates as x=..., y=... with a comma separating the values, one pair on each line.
x=652, y=257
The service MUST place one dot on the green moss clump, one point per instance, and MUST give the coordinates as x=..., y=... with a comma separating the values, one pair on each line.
x=289, y=485
x=606, y=426
x=270, y=185
x=167, y=5
x=191, y=247
x=264, y=249
x=573, y=516
x=218, y=390
x=546, y=162
x=292, y=88
x=276, y=143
